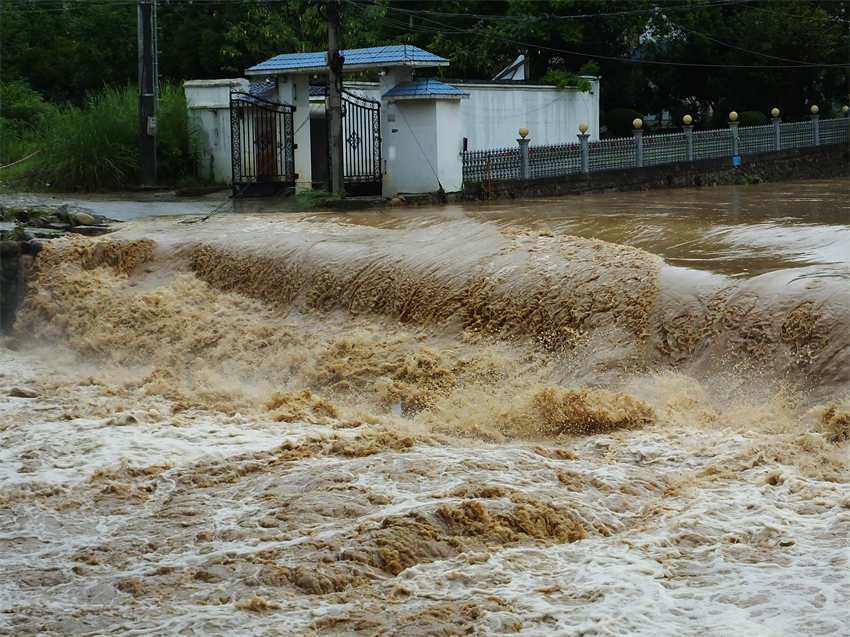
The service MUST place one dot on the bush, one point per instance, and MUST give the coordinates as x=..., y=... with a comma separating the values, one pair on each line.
x=619, y=121
x=21, y=106
x=563, y=78
x=22, y=111
x=174, y=159
x=752, y=118
x=96, y=147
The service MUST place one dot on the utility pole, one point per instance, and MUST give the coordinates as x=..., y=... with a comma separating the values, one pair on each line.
x=147, y=89
x=335, y=62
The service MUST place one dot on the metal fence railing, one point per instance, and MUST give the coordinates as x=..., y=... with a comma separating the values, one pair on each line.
x=795, y=135
x=835, y=131
x=712, y=144
x=556, y=160
x=610, y=154
x=495, y=164
x=668, y=148
x=756, y=139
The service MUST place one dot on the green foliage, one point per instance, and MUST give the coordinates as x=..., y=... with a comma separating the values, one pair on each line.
x=21, y=107
x=759, y=50
x=619, y=121
x=563, y=78
x=22, y=111
x=174, y=159
x=637, y=46
x=96, y=146
x=589, y=68
x=752, y=118
x=313, y=199
x=93, y=147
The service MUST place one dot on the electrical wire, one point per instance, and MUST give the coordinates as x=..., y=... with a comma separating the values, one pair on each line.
x=446, y=29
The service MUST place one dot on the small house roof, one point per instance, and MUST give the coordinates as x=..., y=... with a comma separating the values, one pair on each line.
x=425, y=89
x=355, y=59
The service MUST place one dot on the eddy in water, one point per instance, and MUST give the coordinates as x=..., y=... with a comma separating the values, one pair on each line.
x=553, y=417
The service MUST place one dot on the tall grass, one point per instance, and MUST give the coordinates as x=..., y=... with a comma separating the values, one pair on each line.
x=96, y=146
x=93, y=147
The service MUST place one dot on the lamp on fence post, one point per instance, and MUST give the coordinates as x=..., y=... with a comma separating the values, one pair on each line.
x=815, y=124
x=637, y=123
x=523, y=153
x=845, y=110
x=774, y=117
x=688, y=127
x=733, y=130
x=583, y=136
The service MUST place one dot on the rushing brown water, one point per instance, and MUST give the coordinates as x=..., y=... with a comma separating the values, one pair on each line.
x=618, y=414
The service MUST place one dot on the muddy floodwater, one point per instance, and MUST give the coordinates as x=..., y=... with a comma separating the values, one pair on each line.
x=615, y=414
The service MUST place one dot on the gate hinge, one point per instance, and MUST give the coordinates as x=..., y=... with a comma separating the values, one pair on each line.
x=294, y=146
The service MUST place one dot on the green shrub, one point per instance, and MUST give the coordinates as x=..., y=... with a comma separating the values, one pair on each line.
x=96, y=147
x=22, y=107
x=752, y=118
x=22, y=111
x=589, y=68
x=174, y=159
x=563, y=78
x=619, y=121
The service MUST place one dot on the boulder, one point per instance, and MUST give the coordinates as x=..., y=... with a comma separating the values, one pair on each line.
x=83, y=219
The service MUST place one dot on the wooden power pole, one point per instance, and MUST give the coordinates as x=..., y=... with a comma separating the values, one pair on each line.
x=335, y=62
x=147, y=89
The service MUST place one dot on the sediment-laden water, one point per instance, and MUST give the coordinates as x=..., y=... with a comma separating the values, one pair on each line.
x=606, y=415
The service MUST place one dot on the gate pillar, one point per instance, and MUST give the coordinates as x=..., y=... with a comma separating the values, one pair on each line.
x=295, y=89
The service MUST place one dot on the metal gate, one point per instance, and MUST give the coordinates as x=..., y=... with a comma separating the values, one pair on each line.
x=262, y=147
x=361, y=141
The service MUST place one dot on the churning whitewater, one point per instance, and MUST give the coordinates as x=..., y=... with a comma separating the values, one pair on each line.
x=435, y=422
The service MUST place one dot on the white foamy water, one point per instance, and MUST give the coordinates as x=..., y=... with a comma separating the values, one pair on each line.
x=316, y=426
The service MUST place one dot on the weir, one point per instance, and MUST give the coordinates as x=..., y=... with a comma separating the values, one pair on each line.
x=409, y=422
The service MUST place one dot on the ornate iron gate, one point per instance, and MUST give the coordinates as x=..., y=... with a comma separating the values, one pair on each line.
x=262, y=147
x=361, y=141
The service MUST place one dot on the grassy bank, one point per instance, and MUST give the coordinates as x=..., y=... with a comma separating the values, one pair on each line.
x=90, y=147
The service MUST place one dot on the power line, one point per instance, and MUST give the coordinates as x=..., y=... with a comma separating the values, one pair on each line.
x=446, y=29
x=557, y=16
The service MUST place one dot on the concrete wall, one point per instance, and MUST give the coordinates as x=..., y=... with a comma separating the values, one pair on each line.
x=294, y=89
x=208, y=102
x=410, y=147
x=422, y=139
x=449, y=144
x=493, y=113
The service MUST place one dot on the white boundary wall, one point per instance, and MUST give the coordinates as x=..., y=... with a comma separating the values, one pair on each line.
x=208, y=102
x=493, y=113
x=489, y=118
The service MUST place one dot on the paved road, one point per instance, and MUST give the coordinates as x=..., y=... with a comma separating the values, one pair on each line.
x=136, y=205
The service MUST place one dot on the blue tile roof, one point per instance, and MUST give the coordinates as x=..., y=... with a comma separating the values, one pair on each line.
x=425, y=89
x=395, y=55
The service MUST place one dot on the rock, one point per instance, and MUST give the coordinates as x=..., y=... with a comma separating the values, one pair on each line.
x=31, y=247
x=42, y=233
x=63, y=214
x=19, y=392
x=83, y=218
x=90, y=231
x=396, y=201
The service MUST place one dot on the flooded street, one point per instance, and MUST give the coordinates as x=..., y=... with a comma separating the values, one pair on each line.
x=615, y=414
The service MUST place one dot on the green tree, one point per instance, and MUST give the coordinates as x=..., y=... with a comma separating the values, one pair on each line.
x=779, y=53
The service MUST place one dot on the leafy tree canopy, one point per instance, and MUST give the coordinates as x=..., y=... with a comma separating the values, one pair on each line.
x=701, y=56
